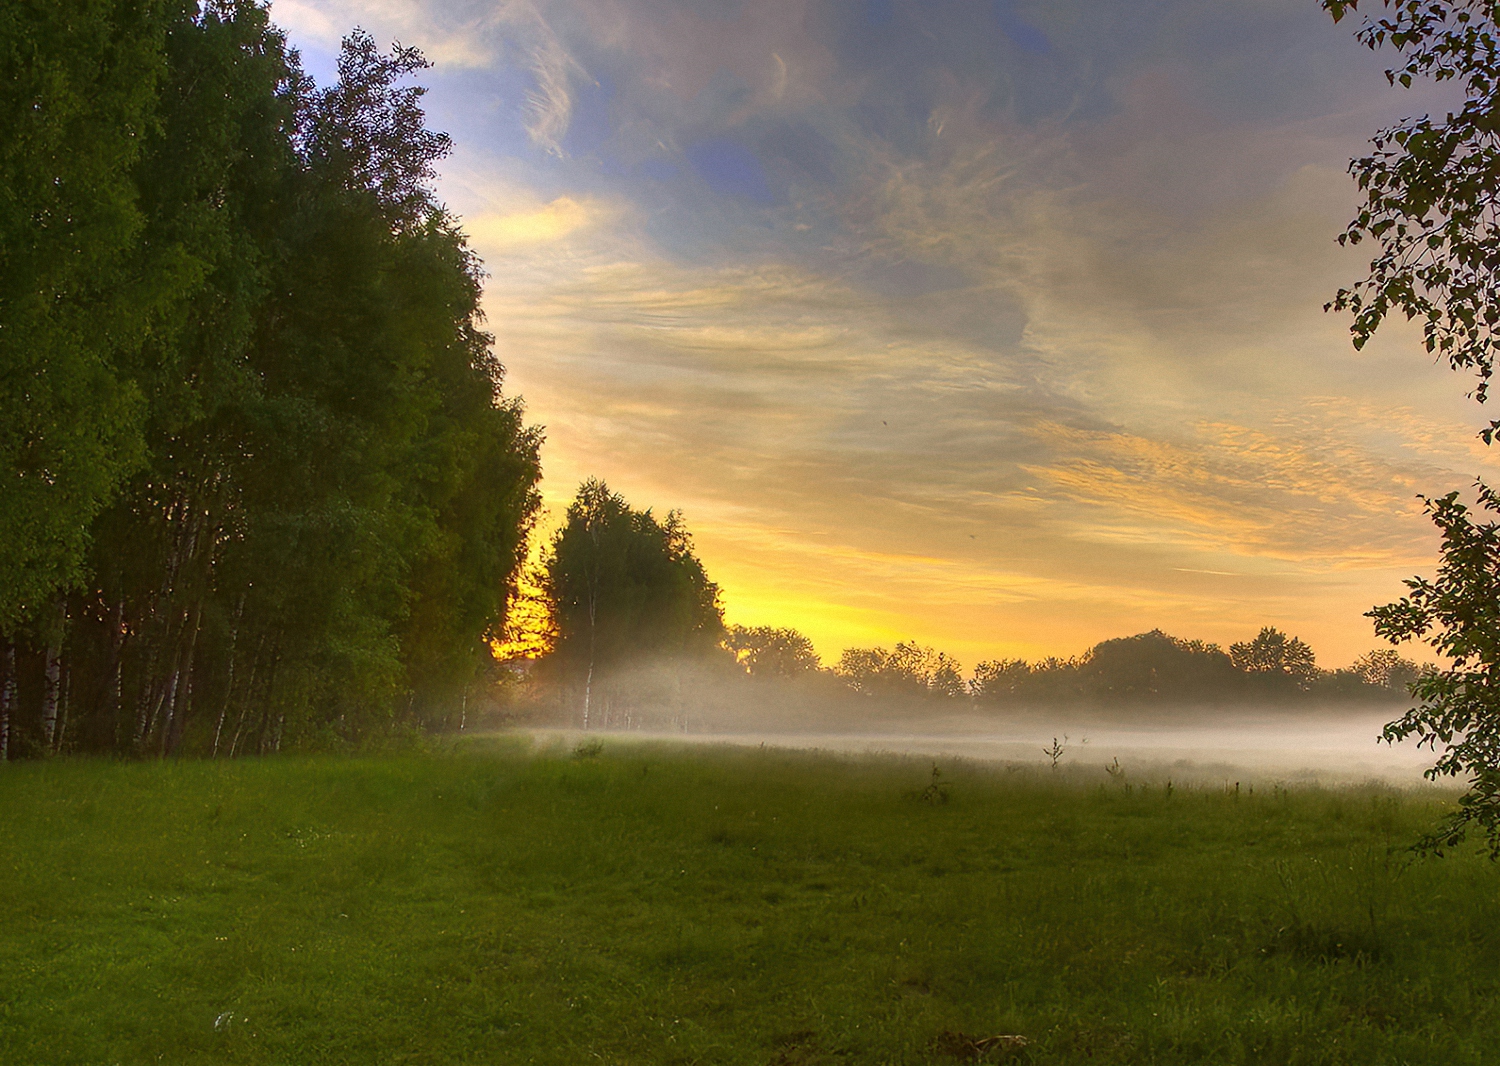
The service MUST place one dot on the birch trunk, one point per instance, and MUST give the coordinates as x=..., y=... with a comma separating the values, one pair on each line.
x=65, y=701
x=163, y=693
x=164, y=699
x=588, y=682
x=182, y=696
x=169, y=704
x=116, y=674
x=234, y=639
x=50, y=688
x=239, y=726
x=7, y=695
x=147, y=696
x=264, y=739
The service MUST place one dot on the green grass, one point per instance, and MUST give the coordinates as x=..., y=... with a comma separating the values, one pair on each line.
x=655, y=905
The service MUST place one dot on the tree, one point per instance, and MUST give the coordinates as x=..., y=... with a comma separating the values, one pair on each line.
x=1157, y=665
x=911, y=669
x=626, y=588
x=1430, y=191
x=1432, y=209
x=768, y=651
x=1386, y=668
x=1274, y=656
x=313, y=517
x=78, y=88
x=1000, y=680
x=1458, y=614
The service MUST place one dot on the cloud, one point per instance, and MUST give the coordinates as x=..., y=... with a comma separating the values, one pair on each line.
x=996, y=326
x=452, y=35
x=563, y=217
x=549, y=106
x=1305, y=495
x=854, y=464
x=307, y=22
x=460, y=36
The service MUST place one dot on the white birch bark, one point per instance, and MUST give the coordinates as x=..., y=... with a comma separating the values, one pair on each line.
x=7, y=696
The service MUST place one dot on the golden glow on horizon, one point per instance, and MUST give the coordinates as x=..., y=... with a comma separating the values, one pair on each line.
x=927, y=348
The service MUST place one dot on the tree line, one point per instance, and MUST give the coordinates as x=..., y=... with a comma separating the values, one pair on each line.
x=1154, y=666
x=259, y=485
x=634, y=616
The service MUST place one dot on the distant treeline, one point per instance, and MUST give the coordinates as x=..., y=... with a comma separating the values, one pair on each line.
x=1149, y=666
x=258, y=484
x=636, y=633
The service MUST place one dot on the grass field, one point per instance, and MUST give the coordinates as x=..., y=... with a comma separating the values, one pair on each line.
x=651, y=905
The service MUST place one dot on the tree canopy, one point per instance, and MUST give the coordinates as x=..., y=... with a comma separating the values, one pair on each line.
x=1276, y=657
x=772, y=651
x=261, y=482
x=910, y=669
x=1158, y=668
x=625, y=586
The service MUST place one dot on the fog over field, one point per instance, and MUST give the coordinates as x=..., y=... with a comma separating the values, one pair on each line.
x=1324, y=746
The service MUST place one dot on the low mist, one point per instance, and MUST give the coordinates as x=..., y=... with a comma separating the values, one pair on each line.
x=1143, y=740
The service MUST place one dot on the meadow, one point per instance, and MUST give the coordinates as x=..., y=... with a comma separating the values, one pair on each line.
x=649, y=904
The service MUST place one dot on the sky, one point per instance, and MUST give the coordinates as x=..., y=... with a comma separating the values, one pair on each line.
x=989, y=324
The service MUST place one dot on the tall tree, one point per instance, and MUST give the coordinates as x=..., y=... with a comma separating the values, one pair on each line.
x=79, y=92
x=321, y=495
x=626, y=587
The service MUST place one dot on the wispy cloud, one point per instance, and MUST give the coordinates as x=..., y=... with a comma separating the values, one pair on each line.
x=1002, y=333
x=549, y=104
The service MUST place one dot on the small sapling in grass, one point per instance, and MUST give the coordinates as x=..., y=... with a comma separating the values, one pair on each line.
x=1055, y=752
x=1115, y=771
x=935, y=792
x=589, y=749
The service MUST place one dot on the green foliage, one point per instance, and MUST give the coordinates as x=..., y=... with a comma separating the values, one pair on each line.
x=1427, y=187
x=1458, y=613
x=329, y=495
x=739, y=907
x=769, y=651
x=625, y=587
x=1429, y=207
x=1275, y=657
x=78, y=87
x=910, y=670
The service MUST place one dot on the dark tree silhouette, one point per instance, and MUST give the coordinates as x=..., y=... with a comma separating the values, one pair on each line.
x=1431, y=192
x=769, y=651
x=1276, y=658
x=625, y=588
x=910, y=669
